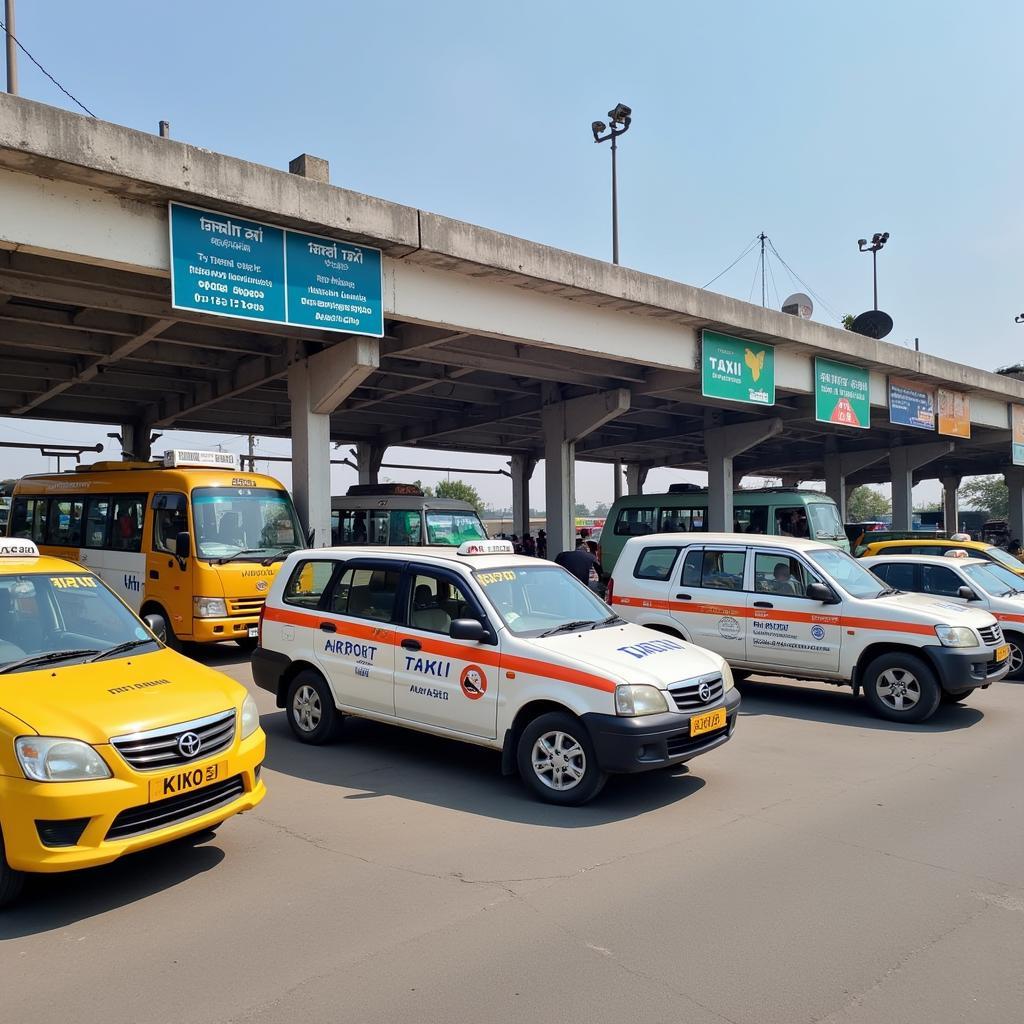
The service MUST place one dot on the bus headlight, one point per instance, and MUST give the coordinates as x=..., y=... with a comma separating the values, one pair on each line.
x=53, y=759
x=209, y=607
x=957, y=636
x=633, y=701
x=250, y=716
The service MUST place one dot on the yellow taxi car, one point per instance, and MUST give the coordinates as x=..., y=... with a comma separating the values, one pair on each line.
x=109, y=741
x=941, y=546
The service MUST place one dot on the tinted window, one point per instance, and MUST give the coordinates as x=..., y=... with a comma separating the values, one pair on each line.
x=28, y=518
x=635, y=522
x=656, y=563
x=898, y=575
x=750, y=519
x=366, y=594
x=681, y=520
x=937, y=579
x=308, y=582
x=436, y=601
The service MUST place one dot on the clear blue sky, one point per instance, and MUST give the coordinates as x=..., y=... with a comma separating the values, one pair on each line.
x=817, y=123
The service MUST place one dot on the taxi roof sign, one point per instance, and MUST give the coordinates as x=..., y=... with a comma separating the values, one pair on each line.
x=17, y=547
x=487, y=547
x=190, y=457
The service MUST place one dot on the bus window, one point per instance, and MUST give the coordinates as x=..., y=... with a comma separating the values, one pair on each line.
x=635, y=522
x=126, y=529
x=750, y=519
x=791, y=522
x=405, y=527
x=169, y=519
x=681, y=520
x=28, y=518
x=97, y=523
x=65, y=526
x=453, y=528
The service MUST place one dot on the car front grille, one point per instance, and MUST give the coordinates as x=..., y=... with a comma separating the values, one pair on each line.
x=991, y=636
x=157, y=749
x=136, y=820
x=248, y=606
x=688, y=695
x=683, y=743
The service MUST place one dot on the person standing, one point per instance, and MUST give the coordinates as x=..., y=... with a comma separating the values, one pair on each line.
x=581, y=563
x=542, y=544
x=529, y=545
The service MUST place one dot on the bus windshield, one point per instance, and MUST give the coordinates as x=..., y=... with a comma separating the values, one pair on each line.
x=453, y=527
x=244, y=523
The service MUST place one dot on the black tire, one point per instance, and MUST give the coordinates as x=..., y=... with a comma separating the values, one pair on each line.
x=11, y=882
x=248, y=643
x=312, y=714
x=169, y=638
x=1016, y=642
x=956, y=698
x=575, y=752
x=917, y=693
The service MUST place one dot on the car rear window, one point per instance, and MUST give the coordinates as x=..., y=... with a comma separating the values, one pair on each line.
x=656, y=563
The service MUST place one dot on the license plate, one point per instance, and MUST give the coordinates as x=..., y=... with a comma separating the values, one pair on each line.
x=1002, y=653
x=185, y=781
x=254, y=631
x=707, y=722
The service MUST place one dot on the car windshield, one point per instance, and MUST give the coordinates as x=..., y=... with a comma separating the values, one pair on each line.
x=532, y=600
x=50, y=618
x=247, y=523
x=453, y=527
x=1015, y=565
x=847, y=572
x=993, y=579
x=825, y=521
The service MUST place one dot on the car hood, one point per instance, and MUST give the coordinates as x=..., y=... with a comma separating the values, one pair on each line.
x=119, y=696
x=920, y=608
x=632, y=654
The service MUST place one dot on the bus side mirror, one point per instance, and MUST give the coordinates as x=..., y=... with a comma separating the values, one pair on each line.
x=468, y=629
x=967, y=594
x=183, y=544
x=157, y=626
x=819, y=592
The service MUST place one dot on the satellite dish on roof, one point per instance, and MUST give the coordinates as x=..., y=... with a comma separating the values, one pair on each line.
x=799, y=305
x=872, y=324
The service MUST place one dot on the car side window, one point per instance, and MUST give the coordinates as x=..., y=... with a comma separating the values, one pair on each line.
x=775, y=572
x=436, y=601
x=722, y=570
x=898, y=575
x=937, y=579
x=307, y=582
x=656, y=563
x=366, y=593
x=691, y=568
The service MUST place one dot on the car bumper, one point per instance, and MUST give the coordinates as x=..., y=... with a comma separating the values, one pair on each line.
x=268, y=669
x=960, y=671
x=626, y=745
x=30, y=810
x=211, y=631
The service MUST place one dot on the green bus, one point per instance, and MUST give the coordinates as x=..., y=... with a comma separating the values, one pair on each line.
x=780, y=511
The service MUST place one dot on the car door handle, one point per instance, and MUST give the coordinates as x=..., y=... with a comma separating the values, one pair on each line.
x=763, y=604
x=411, y=645
x=684, y=597
x=328, y=627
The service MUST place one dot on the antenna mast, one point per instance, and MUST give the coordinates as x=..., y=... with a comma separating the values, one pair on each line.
x=763, y=237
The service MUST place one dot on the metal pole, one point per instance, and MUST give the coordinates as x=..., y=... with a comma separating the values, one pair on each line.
x=874, y=273
x=12, y=51
x=763, y=300
x=615, y=206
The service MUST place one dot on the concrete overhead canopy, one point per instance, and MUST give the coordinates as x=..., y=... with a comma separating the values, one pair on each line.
x=477, y=324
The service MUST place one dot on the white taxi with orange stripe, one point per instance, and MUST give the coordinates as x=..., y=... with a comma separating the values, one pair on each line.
x=492, y=648
x=792, y=607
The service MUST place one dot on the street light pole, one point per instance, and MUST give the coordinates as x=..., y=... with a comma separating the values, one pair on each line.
x=12, y=50
x=878, y=240
x=620, y=116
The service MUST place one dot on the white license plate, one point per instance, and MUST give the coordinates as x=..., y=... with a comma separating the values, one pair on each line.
x=254, y=631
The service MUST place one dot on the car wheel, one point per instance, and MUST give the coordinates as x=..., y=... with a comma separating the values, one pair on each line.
x=956, y=698
x=557, y=760
x=902, y=688
x=1016, y=656
x=247, y=643
x=11, y=881
x=311, y=710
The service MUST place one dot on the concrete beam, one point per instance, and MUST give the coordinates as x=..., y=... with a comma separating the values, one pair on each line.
x=903, y=460
x=721, y=446
x=337, y=371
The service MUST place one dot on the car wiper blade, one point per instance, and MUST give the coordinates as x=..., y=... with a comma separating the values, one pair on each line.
x=128, y=645
x=240, y=551
x=43, y=659
x=612, y=620
x=566, y=626
x=889, y=591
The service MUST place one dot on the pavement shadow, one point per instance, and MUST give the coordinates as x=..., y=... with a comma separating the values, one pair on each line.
x=772, y=697
x=55, y=901
x=378, y=760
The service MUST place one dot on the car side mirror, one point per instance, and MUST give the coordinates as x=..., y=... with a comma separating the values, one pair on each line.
x=183, y=544
x=468, y=629
x=819, y=592
x=967, y=594
x=157, y=626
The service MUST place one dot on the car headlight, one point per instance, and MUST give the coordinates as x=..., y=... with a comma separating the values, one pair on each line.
x=957, y=636
x=250, y=716
x=727, y=680
x=209, y=607
x=639, y=700
x=53, y=759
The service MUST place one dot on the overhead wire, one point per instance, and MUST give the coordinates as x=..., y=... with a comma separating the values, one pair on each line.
x=733, y=264
x=18, y=43
x=835, y=316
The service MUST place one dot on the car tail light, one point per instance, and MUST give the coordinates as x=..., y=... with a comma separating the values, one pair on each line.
x=608, y=594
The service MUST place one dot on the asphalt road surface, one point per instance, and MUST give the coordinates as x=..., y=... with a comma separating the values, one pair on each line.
x=823, y=866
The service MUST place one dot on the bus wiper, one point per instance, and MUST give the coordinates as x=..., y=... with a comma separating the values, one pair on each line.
x=279, y=557
x=566, y=626
x=128, y=645
x=240, y=551
x=43, y=659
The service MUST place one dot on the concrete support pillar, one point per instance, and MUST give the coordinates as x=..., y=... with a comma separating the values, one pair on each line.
x=636, y=474
x=839, y=466
x=721, y=446
x=565, y=423
x=522, y=469
x=951, y=503
x=311, y=458
x=903, y=460
x=617, y=480
x=368, y=460
x=1014, y=477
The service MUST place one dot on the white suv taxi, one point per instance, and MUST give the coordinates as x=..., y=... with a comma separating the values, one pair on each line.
x=481, y=645
x=799, y=608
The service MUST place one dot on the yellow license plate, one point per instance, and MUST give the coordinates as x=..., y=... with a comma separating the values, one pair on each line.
x=185, y=780
x=1002, y=653
x=707, y=722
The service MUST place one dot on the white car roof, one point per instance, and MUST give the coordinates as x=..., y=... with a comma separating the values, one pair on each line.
x=761, y=541
x=431, y=555
x=925, y=560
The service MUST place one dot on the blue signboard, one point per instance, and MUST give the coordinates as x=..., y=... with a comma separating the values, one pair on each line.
x=911, y=404
x=333, y=285
x=229, y=266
